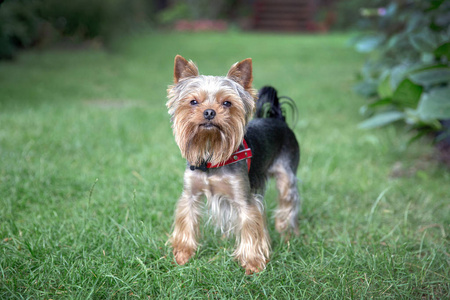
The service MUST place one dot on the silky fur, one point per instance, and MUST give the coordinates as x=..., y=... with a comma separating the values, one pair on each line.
x=233, y=209
x=288, y=197
x=198, y=144
x=234, y=203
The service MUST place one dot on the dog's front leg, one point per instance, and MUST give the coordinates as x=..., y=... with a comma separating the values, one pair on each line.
x=185, y=232
x=253, y=239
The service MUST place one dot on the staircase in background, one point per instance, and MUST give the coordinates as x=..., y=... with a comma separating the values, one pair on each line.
x=284, y=15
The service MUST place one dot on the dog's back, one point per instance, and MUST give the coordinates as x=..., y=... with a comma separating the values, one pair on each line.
x=273, y=143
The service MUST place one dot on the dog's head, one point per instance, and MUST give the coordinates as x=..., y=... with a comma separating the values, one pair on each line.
x=209, y=113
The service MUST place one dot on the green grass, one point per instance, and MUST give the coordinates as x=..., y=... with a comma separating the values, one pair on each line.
x=90, y=174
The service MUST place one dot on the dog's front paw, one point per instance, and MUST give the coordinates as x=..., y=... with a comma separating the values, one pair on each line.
x=254, y=266
x=182, y=255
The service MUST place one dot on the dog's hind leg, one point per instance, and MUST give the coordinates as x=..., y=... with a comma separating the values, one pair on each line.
x=286, y=215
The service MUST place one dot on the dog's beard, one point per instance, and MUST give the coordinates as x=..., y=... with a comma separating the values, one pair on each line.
x=213, y=144
x=215, y=140
x=208, y=141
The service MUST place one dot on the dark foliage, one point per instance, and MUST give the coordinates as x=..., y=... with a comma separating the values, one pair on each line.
x=25, y=23
x=407, y=75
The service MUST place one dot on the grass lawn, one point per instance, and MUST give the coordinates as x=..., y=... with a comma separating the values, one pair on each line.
x=90, y=174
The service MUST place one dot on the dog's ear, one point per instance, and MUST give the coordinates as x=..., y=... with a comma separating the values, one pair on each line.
x=241, y=72
x=183, y=69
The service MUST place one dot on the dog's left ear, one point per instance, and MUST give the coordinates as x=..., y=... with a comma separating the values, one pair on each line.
x=241, y=72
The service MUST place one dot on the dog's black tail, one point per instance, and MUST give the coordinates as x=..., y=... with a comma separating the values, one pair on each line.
x=269, y=105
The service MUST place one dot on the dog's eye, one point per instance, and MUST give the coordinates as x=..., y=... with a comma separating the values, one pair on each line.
x=226, y=104
x=194, y=102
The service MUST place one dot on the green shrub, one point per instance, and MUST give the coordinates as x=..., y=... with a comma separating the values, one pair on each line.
x=88, y=19
x=230, y=10
x=407, y=75
x=177, y=11
x=348, y=14
x=19, y=26
x=24, y=23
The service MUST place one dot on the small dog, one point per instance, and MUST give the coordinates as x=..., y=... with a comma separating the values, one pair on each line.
x=229, y=159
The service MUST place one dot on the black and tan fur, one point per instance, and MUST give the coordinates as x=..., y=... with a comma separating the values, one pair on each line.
x=210, y=117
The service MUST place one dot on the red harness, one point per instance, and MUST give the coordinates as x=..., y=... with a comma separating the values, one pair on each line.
x=238, y=155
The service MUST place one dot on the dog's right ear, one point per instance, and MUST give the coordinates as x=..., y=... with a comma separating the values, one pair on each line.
x=183, y=69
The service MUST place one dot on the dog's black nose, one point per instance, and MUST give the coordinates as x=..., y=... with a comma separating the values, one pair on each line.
x=209, y=114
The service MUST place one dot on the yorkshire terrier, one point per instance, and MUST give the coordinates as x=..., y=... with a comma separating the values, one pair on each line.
x=229, y=159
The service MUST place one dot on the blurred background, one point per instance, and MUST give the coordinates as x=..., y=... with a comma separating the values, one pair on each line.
x=407, y=41
x=38, y=23
x=404, y=79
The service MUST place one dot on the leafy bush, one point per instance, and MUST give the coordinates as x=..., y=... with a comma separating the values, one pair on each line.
x=24, y=23
x=178, y=10
x=93, y=18
x=203, y=10
x=407, y=75
x=19, y=26
x=348, y=14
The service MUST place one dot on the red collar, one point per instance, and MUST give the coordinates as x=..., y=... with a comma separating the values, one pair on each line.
x=238, y=155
